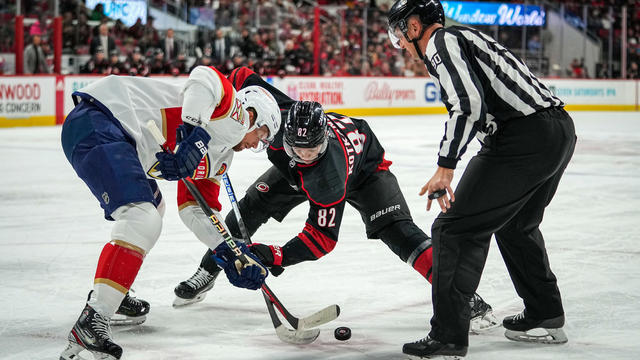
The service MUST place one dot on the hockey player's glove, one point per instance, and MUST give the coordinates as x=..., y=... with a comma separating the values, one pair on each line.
x=192, y=143
x=250, y=276
x=270, y=256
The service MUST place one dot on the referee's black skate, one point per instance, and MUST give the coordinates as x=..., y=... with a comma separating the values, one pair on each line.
x=195, y=288
x=519, y=327
x=428, y=348
x=132, y=311
x=482, y=318
x=93, y=333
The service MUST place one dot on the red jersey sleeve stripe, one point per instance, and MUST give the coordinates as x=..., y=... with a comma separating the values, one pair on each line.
x=239, y=75
x=228, y=96
x=323, y=240
x=309, y=244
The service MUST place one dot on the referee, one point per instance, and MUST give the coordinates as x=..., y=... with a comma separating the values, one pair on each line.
x=527, y=141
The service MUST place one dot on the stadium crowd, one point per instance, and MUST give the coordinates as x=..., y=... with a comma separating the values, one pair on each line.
x=276, y=39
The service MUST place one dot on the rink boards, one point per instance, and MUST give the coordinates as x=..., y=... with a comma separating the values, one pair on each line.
x=46, y=100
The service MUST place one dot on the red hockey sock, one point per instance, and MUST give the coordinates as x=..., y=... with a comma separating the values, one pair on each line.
x=424, y=262
x=118, y=265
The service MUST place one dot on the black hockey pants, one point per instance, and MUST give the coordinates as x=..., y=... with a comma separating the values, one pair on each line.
x=503, y=191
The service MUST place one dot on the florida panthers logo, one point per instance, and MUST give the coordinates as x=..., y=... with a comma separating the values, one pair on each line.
x=222, y=170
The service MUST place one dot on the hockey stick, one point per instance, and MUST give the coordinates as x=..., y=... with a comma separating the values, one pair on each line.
x=287, y=335
x=318, y=318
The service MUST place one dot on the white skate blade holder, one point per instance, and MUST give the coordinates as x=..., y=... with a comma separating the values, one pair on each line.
x=446, y=357
x=180, y=302
x=123, y=320
x=483, y=323
x=73, y=352
x=538, y=335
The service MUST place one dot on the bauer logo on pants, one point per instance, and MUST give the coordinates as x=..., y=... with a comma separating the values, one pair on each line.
x=384, y=211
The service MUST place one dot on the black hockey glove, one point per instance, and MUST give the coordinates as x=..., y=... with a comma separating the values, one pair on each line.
x=270, y=256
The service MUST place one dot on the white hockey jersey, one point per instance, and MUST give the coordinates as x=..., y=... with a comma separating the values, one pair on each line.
x=133, y=101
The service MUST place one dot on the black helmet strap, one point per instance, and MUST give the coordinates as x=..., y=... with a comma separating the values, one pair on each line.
x=414, y=41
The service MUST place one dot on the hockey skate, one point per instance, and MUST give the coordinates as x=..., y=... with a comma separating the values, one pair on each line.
x=522, y=328
x=195, y=288
x=482, y=318
x=427, y=348
x=132, y=311
x=92, y=333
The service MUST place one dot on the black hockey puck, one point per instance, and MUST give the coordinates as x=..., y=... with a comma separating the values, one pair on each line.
x=436, y=194
x=342, y=333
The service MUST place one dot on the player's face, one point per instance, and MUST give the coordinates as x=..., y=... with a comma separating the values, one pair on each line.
x=399, y=41
x=308, y=155
x=255, y=138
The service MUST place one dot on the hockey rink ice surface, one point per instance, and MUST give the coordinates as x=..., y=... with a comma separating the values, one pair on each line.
x=52, y=231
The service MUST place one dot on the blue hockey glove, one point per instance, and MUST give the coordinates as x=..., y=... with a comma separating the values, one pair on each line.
x=250, y=276
x=192, y=146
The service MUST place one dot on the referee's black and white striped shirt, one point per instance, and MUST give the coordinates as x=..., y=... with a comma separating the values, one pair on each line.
x=481, y=83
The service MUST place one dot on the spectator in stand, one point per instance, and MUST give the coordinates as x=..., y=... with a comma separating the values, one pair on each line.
x=204, y=60
x=83, y=31
x=221, y=47
x=103, y=40
x=170, y=46
x=34, y=56
x=136, y=65
x=151, y=37
x=98, y=13
x=247, y=45
x=179, y=65
x=602, y=71
x=576, y=69
x=120, y=30
x=534, y=45
x=633, y=72
x=157, y=64
x=136, y=30
x=98, y=64
x=68, y=32
x=115, y=67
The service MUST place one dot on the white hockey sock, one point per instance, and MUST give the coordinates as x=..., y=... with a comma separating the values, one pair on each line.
x=105, y=299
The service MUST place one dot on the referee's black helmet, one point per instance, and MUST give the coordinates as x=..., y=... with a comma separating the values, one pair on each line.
x=429, y=12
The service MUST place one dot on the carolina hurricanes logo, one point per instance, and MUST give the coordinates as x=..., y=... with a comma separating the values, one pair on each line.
x=262, y=187
x=222, y=169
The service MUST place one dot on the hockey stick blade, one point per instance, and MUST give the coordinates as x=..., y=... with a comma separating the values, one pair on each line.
x=321, y=317
x=283, y=333
x=297, y=337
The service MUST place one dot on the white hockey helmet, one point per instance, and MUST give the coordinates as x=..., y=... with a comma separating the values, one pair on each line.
x=266, y=108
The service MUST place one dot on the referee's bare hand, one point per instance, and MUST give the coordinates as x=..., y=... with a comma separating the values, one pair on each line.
x=439, y=181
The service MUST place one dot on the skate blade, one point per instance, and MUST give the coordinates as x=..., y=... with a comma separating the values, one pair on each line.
x=483, y=323
x=180, y=302
x=538, y=335
x=123, y=320
x=447, y=357
x=72, y=352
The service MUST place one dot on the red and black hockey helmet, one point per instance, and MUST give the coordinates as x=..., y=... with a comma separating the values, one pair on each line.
x=305, y=127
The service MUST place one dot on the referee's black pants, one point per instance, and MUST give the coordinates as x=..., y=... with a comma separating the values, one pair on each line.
x=503, y=191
